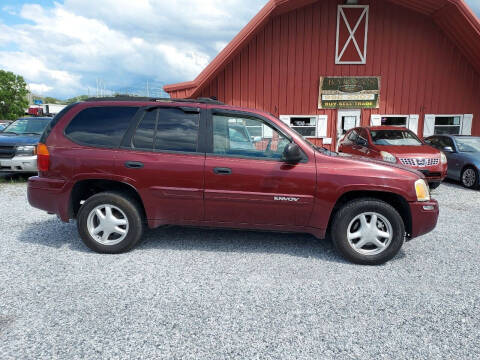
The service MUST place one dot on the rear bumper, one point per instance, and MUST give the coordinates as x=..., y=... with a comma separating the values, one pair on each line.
x=26, y=164
x=49, y=195
x=424, y=217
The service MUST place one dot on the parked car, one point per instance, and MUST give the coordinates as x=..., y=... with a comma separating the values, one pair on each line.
x=463, y=154
x=398, y=146
x=18, y=144
x=115, y=165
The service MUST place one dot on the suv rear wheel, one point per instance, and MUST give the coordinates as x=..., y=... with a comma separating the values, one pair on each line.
x=110, y=223
x=368, y=231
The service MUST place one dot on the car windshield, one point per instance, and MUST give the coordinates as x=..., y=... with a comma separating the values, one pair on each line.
x=394, y=137
x=27, y=126
x=468, y=144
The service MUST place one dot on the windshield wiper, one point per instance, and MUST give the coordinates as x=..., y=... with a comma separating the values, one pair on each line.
x=9, y=132
x=31, y=133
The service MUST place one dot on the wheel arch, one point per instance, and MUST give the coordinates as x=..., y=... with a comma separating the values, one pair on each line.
x=397, y=201
x=84, y=189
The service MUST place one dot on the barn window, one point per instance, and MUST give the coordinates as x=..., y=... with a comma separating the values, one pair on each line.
x=309, y=126
x=447, y=125
x=352, y=34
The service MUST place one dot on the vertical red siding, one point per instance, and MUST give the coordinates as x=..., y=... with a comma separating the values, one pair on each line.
x=422, y=72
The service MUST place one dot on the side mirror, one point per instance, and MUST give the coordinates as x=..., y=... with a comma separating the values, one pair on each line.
x=448, y=149
x=292, y=154
x=257, y=138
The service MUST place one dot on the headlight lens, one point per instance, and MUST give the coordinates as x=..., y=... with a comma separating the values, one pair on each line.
x=386, y=156
x=422, y=190
x=26, y=150
x=444, y=158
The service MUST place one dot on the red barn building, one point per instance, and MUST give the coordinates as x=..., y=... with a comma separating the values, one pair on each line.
x=324, y=66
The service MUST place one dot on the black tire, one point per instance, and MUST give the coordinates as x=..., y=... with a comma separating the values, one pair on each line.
x=434, y=185
x=349, y=212
x=129, y=207
x=469, y=184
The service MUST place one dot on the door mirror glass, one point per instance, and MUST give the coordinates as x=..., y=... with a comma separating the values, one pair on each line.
x=448, y=149
x=292, y=154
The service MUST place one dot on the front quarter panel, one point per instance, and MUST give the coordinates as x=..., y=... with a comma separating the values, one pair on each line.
x=337, y=176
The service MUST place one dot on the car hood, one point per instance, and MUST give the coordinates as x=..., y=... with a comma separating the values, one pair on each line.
x=414, y=150
x=12, y=139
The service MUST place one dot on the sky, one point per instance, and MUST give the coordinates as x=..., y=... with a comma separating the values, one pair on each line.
x=66, y=48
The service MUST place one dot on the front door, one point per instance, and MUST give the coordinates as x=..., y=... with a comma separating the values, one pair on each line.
x=347, y=119
x=246, y=181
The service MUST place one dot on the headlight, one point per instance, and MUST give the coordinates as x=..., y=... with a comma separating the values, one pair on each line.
x=386, y=156
x=422, y=190
x=444, y=158
x=26, y=150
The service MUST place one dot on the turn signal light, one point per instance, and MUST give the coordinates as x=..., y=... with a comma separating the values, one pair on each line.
x=43, y=158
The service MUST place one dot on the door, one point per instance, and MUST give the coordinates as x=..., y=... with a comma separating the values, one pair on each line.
x=161, y=159
x=246, y=181
x=347, y=119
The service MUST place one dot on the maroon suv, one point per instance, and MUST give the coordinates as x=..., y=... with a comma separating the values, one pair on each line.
x=115, y=165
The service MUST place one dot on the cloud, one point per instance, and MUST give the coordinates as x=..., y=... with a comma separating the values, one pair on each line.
x=63, y=50
x=9, y=10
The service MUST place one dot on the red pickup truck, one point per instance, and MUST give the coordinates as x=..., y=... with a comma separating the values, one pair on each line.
x=116, y=165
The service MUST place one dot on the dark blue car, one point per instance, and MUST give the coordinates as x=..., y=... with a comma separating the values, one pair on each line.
x=18, y=143
x=463, y=154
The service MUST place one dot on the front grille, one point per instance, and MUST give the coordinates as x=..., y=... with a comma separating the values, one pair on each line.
x=7, y=152
x=420, y=162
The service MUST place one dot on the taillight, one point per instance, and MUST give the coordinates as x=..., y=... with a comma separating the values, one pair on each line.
x=43, y=158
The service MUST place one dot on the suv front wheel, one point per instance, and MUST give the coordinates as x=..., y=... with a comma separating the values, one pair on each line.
x=368, y=231
x=110, y=223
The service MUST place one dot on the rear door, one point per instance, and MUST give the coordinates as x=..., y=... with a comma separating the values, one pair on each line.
x=247, y=183
x=162, y=158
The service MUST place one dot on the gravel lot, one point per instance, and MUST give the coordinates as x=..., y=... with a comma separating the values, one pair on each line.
x=202, y=294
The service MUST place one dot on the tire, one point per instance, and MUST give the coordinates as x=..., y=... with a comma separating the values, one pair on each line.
x=434, y=185
x=124, y=215
x=356, y=217
x=469, y=177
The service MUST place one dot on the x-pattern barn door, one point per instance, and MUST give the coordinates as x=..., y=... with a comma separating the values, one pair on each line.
x=352, y=34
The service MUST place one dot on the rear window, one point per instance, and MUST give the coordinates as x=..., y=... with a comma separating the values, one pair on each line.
x=101, y=126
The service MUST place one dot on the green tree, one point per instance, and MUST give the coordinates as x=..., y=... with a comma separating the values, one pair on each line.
x=50, y=100
x=76, y=99
x=13, y=95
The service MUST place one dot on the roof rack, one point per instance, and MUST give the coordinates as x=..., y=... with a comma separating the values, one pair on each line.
x=202, y=100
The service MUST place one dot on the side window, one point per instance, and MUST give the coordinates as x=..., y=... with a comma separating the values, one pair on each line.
x=101, y=126
x=233, y=135
x=176, y=130
x=362, y=137
x=143, y=138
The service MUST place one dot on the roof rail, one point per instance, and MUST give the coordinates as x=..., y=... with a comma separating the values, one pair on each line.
x=150, y=99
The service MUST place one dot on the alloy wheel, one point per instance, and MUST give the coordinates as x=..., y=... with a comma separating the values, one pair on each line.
x=370, y=233
x=107, y=224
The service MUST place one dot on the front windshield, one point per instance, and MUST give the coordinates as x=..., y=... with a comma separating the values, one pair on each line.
x=395, y=138
x=27, y=126
x=468, y=144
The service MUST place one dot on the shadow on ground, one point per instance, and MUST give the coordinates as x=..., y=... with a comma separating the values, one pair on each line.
x=53, y=233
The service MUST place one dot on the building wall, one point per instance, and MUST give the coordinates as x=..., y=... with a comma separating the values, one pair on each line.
x=421, y=70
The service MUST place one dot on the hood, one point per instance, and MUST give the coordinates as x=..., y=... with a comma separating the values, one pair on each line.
x=381, y=163
x=414, y=150
x=13, y=140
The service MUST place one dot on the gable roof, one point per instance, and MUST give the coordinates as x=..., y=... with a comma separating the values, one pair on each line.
x=454, y=17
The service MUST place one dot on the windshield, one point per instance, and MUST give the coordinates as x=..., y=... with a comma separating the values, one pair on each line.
x=28, y=126
x=394, y=137
x=468, y=144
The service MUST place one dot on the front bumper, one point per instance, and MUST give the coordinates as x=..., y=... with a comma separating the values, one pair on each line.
x=424, y=217
x=26, y=164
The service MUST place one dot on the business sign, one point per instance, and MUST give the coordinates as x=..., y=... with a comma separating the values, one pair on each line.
x=349, y=92
x=38, y=102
